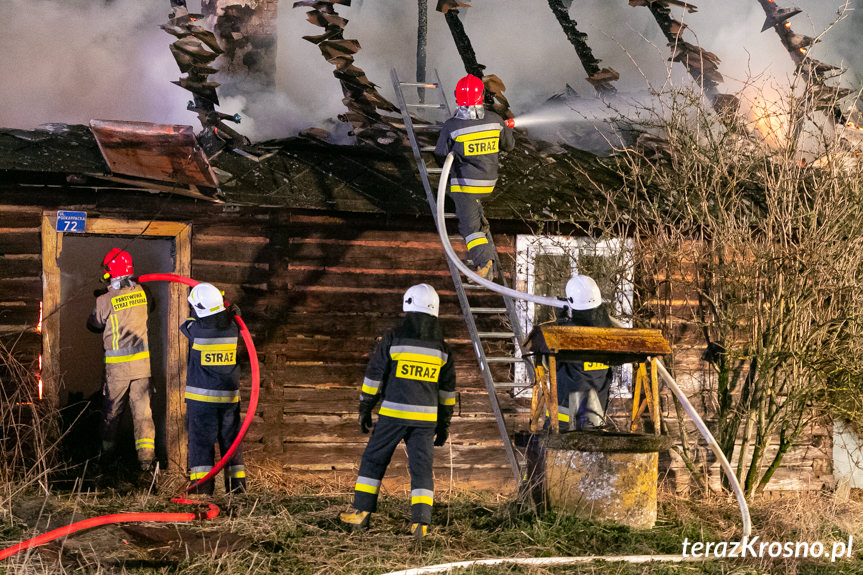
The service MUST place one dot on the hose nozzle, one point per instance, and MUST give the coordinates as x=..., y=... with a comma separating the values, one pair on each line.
x=509, y=123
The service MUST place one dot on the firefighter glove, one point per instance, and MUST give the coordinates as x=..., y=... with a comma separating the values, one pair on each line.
x=235, y=309
x=441, y=434
x=365, y=418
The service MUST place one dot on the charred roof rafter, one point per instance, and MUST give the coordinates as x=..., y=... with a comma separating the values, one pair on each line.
x=361, y=96
x=494, y=86
x=702, y=65
x=194, y=51
x=600, y=78
x=815, y=72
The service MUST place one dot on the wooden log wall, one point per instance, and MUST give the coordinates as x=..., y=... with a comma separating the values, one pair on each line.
x=20, y=294
x=321, y=289
x=316, y=290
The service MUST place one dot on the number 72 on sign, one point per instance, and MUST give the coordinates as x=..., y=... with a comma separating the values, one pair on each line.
x=74, y=222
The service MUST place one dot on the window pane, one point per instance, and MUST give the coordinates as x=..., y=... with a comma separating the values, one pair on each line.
x=552, y=271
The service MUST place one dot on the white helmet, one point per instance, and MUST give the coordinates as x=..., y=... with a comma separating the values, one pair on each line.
x=422, y=298
x=206, y=299
x=582, y=293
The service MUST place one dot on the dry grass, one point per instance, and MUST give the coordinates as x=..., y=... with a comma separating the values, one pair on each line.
x=291, y=527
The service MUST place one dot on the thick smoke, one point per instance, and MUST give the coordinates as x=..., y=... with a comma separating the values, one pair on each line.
x=75, y=60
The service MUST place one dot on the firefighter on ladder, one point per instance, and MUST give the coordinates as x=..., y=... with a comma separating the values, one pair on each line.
x=476, y=136
x=212, y=392
x=412, y=369
x=121, y=317
x=583, y=386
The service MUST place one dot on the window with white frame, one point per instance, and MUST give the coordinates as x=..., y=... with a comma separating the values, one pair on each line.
x=545, y=263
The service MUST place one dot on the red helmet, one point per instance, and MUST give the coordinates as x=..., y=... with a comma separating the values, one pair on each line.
x=468, y=91
x=117, y=263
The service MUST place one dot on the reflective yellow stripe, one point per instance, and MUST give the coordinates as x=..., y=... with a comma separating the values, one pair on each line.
x=238, y=474
x=125, y=358
x=407, y=356
x=478, y=135
x=115, y=336
x=369, y=390
x=421, y=499
x=414, y=415
x=194, y=476
x=560, y=416
x=448, y=401
x=145, y=443
x=214, y=346
x=471, y=189
x=366, y=488
x=477, y=242
x=211, y=398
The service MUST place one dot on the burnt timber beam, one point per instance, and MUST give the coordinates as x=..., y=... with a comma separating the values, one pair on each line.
x=194, y=51
x=702, y=65
x=361, y=96
x=816, y=73
x=601, y=78
x=494, y=86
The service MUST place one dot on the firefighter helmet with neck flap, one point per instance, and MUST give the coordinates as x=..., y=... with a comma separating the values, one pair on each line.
x=582, y=293
x=468, y=91
x=206, y=300
x=117, y=264
x=422, y=298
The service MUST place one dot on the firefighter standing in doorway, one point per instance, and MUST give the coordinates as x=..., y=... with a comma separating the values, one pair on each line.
x=583, y=386
x=212, y=392
x=121, y=316
x=412, y=369
x=476, y=136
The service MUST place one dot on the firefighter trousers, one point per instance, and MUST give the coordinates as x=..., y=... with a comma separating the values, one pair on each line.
x=385, y=438
x=473, y=226
x=116, y=393
x=207, y=424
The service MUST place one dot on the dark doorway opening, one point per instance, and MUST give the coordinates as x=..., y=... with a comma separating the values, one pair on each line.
x=81, y=365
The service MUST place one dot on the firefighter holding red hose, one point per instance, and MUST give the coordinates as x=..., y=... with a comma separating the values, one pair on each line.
x=212, y=391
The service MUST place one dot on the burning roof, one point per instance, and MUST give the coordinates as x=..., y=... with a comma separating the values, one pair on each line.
x=361, y=96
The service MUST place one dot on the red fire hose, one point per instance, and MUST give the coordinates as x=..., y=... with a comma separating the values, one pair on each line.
x=211, y=510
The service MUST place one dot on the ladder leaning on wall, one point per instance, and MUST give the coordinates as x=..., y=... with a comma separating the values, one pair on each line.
x=433, y=90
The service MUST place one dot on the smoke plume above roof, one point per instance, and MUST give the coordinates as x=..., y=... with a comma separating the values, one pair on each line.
x=75, y=60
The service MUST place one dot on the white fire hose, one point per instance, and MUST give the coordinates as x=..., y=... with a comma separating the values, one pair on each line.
x=669, y=381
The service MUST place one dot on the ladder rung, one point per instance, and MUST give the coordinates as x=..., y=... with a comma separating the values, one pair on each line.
x=427, y=149
x=434, y=170
x=449, y=215
x=439, y=106
x=488, y=310
x=495, y=334
x=504, y=359
x=473, y=286
x=418, y=84
x=509, y=385
x=427, y=126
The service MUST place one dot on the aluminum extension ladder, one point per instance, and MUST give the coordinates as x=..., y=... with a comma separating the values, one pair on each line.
x=477, y=337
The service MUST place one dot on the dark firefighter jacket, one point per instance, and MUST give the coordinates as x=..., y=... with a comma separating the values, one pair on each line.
x=412, y=368
x=578, y=375
x=476, y=144
x=213, y=375
x=121, y=316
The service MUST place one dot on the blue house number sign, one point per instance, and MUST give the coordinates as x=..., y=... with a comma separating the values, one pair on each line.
x=74, y=222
